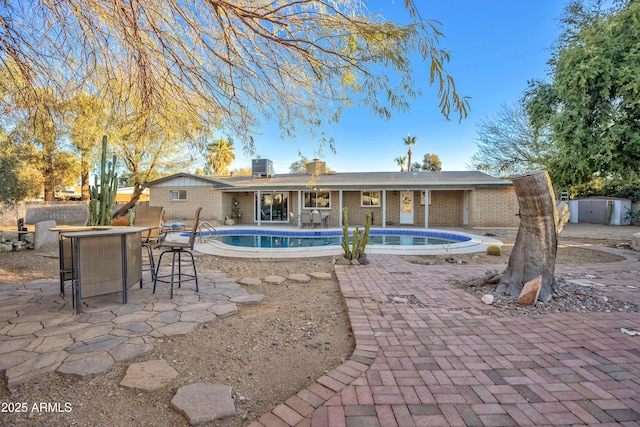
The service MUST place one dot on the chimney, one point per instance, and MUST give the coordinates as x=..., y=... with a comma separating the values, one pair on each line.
x=316, y=167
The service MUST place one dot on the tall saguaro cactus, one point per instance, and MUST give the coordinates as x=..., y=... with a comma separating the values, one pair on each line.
x=103, y=193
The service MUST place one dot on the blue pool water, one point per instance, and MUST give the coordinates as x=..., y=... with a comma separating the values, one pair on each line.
x=254, y=238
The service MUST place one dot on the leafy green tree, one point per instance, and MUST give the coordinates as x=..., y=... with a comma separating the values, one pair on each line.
x=220, y=156
x=12, y=189
x=86, y=118
x=401, y=161
x=592, y=103
x=241, y=172
x=232, y=64
x=300, y=166
x=431, y=162
x=509, y=144
x=410, y=141
x=37, y=121
x=152, y=145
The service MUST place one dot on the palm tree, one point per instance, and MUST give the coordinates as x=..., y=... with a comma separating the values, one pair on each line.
x=221, y=156
x=410, y=141
x=400, y=161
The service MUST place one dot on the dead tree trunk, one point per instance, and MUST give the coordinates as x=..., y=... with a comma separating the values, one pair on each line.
x=137, y=192
x=534, y=251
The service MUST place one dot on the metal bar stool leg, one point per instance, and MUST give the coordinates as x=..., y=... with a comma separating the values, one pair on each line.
x=195, y=272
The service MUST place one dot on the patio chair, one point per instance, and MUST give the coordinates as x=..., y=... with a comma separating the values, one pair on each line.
x=316, y=219
x=306, y=219
x=293, y=218
x=177, y=249
x=149, y=216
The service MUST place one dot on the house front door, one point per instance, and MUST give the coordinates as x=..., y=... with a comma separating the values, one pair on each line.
x=406, y=207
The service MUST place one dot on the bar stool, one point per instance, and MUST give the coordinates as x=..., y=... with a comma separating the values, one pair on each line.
x=177, y=249
x=149, y=216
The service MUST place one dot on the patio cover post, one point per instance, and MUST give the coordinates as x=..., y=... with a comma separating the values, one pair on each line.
x=384, y=208
x=259, y=209
x=340, y=208
x=299, y=208
x=426, y=208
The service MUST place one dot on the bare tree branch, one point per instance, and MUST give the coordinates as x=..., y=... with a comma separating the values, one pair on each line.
x=228, y=62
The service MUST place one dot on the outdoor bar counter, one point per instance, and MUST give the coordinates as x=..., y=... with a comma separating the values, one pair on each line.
x=99, y=260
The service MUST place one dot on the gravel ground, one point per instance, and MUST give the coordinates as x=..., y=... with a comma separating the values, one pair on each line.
x=567, y=297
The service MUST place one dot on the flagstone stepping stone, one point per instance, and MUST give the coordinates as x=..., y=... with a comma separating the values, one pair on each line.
x=166, y=317
x=248, y=299
x=7, y=346
x=148, y=376
x=129, y=351
x=224, y=309
x=163, y=306
x=96, y=344
x=298, y=277
x=203, y=402
x=14, y=358
x=134, y=328
x=18, y=329
x=321, y=275
x=174, y=329
x=93, y=332
x=250, y=281
x=40, y=364
x=195, y=307
x=89, y=367
x=48, y=344
x=200, y=316
x=274, y=280
x=133, y=317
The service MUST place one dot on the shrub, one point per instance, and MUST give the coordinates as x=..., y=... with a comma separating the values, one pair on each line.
x=633, y=216
x=493, y=250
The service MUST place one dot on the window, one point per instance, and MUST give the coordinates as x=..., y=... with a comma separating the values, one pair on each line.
x=317, y=200
x=423, y=197
x=177, y=195
x=370, y=198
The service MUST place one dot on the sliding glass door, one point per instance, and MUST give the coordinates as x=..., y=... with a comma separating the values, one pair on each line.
x=272, y=207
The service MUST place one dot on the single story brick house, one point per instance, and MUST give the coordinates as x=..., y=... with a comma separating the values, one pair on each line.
x=424, y=199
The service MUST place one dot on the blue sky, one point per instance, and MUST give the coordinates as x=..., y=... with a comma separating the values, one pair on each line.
x=496, y=46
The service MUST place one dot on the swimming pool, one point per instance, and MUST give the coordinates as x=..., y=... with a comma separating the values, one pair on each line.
x=254, y=238
x=276, y=242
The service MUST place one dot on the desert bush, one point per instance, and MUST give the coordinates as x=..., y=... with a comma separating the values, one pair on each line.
x=493, y=250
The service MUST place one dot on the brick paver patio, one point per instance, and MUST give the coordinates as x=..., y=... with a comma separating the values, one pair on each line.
x=445, y=358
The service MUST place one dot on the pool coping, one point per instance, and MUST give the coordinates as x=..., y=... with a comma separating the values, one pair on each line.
x=476, y=243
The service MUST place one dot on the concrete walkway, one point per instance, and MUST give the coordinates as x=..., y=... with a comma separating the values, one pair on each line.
x=430, y=354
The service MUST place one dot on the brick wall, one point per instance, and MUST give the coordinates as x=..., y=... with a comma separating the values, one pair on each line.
x=357, y=213
x=183, y=210
x=493, y=207
x=446, y=208
x=487, y=207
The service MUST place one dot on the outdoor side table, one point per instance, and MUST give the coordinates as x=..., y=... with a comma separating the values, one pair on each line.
x=102, y=260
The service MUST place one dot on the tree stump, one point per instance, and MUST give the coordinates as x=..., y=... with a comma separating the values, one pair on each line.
x=535, y=248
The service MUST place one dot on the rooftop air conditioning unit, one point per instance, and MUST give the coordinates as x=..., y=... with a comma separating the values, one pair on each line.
x=261, y=168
